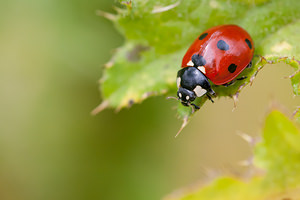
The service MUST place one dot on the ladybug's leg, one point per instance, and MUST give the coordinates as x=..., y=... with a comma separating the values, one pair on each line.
x=195, y=106
x=230, y=83
x=209, y=97
x=249, y=65
x=241, y=78
x=233, y=81
x=238, y=79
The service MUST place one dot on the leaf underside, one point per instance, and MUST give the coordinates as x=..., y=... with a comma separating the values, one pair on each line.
x=157, y=34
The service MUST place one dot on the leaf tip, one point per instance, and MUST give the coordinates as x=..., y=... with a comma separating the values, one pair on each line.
x=296, y=112
x=109, y=64
x=147, y=94
x=127, y=3
x=106, y=15
x=235, y=100
x=159, y=9
x=246, y=163
x=103, y=105
x=249, y=139
x=185, y=122
x=117, y=9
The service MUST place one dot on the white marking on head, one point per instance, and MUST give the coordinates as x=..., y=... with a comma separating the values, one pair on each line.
x=178, y=82
x=180, y=95
x=190, y=63
x=199, y=91
x=187, y=98
x=202, y=69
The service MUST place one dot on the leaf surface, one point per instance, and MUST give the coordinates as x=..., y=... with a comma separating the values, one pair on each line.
x=157, y=34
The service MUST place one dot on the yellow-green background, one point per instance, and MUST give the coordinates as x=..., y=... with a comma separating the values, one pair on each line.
x=51, y=57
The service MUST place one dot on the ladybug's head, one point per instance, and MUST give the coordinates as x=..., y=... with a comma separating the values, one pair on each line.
x=186, y=95
x=192, y=83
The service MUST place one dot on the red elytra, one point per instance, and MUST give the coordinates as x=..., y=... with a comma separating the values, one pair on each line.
x=225, y=51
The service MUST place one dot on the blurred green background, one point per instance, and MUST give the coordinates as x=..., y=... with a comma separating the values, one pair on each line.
x=51, y=57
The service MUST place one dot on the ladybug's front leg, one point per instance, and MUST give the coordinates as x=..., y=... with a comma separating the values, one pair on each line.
x=209, y=97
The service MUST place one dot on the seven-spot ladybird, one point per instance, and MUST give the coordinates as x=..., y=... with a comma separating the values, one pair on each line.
x=219, y=54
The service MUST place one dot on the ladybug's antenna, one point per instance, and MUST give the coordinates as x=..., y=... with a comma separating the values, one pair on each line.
x=171, y=97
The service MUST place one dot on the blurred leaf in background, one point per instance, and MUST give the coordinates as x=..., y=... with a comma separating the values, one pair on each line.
x=277, y=155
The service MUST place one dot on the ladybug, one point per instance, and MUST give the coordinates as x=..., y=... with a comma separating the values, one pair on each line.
x=216, y=57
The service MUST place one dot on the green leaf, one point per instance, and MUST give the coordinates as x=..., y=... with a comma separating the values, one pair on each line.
x=279, y=151
x=157, y=34
x=278, y=155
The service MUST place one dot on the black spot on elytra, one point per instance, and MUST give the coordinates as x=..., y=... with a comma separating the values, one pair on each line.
x=248, y=43
x=222, y=45
x=232, y=68
x=201, y=37
x=198, y=60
